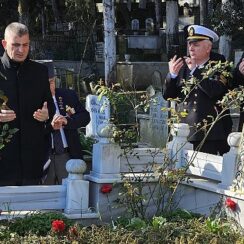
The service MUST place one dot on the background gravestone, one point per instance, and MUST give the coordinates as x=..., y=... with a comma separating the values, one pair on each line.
x=153, y=126
x=99, y=112
x=135, y=25
x=149, y=25
x=158, y=121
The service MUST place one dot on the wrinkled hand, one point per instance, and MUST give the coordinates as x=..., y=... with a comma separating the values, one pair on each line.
x=42, y=114
x=175, y=64
x=241, y=66
x=7, y=115
x=58, y=121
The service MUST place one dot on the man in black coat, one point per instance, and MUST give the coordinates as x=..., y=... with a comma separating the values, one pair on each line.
x=29, y=106
x=200, y=103
x=238, y=78
x=70, y=115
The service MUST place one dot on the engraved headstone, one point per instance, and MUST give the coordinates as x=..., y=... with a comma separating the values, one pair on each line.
x=149, y=25
x=99, y=113
x=158, y=121
x=154, y=127
x=135, y=25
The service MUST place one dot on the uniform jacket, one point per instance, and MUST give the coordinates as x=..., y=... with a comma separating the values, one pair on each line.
x=79, y=118
x=27, y=87
x=238, y=78
x=200, y=103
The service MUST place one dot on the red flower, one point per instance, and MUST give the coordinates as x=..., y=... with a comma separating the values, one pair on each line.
x=58, y=225
x=107, y=188
x=230, y=204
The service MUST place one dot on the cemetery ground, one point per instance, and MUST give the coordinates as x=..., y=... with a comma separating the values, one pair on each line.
x=178, y=226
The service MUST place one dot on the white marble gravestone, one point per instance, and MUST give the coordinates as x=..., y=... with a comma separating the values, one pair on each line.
x=149, y=25
x=135, y=25
x=99, y=112
x=158, y=120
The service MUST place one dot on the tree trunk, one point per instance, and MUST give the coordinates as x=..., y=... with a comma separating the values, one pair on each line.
x=172, y=25
x=203, y=12
x=23, y=9
x=142, y=4
x=129, y=5
x=56, y=14
x=109, y=41
x=43, y=22
x=225, y=41
x=158, y=13
x=225, y=46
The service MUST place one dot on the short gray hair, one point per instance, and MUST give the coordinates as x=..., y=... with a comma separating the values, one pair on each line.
x=17, y=28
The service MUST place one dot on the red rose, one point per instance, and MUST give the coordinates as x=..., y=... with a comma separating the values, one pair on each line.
x=58, y=225
x=107, y=188
x=230, y=204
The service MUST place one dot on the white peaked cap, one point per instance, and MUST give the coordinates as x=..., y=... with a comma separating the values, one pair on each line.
x=198, y=33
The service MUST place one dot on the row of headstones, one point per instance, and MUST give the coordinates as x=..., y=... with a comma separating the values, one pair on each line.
x=149, y=24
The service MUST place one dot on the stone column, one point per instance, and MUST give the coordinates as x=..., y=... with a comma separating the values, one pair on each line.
x=229, y=167
x=77, y=195
x=179, y=143
x=106, y=155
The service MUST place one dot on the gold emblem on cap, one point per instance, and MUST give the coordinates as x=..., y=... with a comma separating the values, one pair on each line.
x=191, y=31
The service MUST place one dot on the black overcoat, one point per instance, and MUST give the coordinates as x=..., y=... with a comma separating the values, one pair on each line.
x=27, y=87
x=200, y=103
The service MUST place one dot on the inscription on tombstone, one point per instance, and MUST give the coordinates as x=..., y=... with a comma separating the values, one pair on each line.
x=99, y=112
x=158, y=120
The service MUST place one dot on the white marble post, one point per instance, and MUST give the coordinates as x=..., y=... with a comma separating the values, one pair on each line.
x=106, y=155
x=77, y=195
x=179, y=143
x=230, y=161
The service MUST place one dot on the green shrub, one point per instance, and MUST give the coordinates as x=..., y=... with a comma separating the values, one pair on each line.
x=37, y=223
x=134, y=231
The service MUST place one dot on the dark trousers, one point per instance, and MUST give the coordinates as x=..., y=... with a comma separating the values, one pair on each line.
x=217, y=147
x=57, y=169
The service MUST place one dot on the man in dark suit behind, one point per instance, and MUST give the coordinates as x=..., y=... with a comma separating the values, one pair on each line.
x=70, y=115
x=238, y=78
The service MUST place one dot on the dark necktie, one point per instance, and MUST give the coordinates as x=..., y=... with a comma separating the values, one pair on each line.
x=57, y=142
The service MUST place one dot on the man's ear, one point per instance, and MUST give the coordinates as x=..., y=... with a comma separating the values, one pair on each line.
x=4, y=43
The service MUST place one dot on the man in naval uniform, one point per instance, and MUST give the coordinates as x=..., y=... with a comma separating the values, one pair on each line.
x=201, y=102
